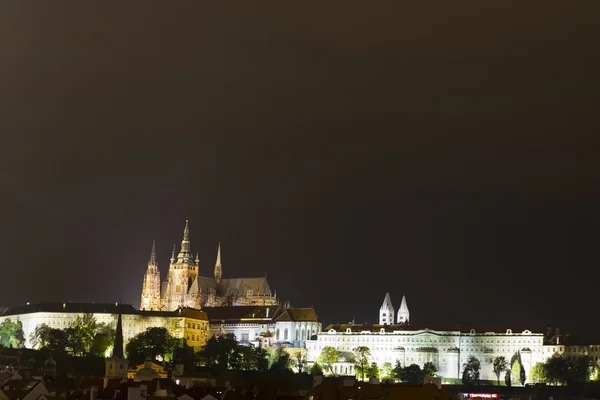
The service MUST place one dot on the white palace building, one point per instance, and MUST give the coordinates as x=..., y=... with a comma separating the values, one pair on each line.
x=448, y=348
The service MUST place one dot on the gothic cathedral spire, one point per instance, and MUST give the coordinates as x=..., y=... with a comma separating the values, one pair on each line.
x=185, y=254
x=218, y=271
x=153, y=254
x=151, y=285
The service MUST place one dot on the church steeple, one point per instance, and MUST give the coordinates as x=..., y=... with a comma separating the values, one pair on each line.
x=152, y=260
x=403, y=314
x=185, y=255
x=118, y=346
x=386, y=312
x=218, y=271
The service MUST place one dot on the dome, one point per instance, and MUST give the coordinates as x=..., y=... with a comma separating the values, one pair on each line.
x=146, y=374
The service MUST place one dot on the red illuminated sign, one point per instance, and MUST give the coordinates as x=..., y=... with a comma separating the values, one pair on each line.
x=482, y=395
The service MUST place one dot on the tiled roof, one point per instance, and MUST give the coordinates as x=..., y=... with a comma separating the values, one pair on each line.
x=239, y=286
x=17, y=389
x=235, y=313
x=298, y=314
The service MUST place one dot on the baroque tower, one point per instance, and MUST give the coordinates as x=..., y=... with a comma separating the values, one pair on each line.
x=403, y=314
x=116, y=365
x=386, y=312
x=182, y=284
x=151, y=287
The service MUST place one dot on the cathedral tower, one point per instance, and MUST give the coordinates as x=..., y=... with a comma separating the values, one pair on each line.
x=182, y=285
x=403, y=314
x=386, y=312
x=151, y=286
x=218, y=271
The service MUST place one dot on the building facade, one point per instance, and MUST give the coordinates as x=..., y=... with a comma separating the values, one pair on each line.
x=448, y=348
x=185, y=286
x=183, y=323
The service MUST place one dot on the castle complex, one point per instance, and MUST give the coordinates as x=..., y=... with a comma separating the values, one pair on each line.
x=185, y=287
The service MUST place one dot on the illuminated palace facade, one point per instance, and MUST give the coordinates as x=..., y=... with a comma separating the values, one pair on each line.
x=184, y=286
x=448, y=348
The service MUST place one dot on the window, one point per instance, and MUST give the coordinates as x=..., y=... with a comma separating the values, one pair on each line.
x=245, y=337
x=285, y=334
x=277, y=334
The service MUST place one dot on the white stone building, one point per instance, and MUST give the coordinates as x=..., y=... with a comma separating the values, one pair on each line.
x=448, y=348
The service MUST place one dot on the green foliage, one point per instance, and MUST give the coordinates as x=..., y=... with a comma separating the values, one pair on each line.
x=362, y=355
x=559, y=370
x=224, y=352
x=499, y=365
x=507, y=378
x=537, y=373
x=11, y=333
x=429, y=370
x=373, y=371
x=299, y=360
x=327, y=358
x=315, y=369
x=515, y=373
x=39, y=337
x=411, y=374
x=57, y=341
x=153, y=342
x=471, y=368
x=387, y=371
x=281, y=360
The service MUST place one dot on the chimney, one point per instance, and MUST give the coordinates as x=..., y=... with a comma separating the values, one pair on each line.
x=557, y=335
x=267, y=312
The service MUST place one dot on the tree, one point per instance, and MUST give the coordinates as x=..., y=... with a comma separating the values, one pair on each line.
x=507, y=378
x=515, y=373
x=373, y=371
x=387, y=371
x=315, y=369
x=362, y=355
x=57, y=341
x=429, y=370
x=537, y=373
x=11, y=333
x=556, y=370
x=282, y=360
x=219, y=351
x=300, y=360
x=39, y=337
x=103, y=340
x=153, y=342
x=499, y=365
x=411, y=374
x=327, y=358
x=471, y=369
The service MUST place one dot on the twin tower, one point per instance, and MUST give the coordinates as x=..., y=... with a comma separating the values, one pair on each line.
x=386, y=312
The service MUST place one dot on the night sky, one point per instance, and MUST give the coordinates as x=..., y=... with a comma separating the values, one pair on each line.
x=345, y=150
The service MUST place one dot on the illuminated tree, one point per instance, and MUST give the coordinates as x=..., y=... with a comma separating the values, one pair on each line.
x=373, y=371
x=329, y=356
x=500, y=365
x=411, y=374
x=299, y=360
x=538, y=373
x=362, y=355
x=153, y=342
x=11, y=333
x=387, y=371
x=429, y=370
x=471, y=369
x=39, y=337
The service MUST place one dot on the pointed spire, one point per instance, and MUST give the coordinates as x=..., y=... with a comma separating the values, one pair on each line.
x=403, y=305
x=185, y=255
x=387, y=302
x=197, y=259
x=403, y=313
x=173, y=255
x=218, y=269
x=118, y=346
x=153, y=254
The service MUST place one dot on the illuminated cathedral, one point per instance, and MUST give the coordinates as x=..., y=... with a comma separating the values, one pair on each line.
x=184, y=286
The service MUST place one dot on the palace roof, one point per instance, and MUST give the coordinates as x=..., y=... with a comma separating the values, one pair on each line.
x=237, y=313
x=464, y=329
x=298, y=314
x=91, y=308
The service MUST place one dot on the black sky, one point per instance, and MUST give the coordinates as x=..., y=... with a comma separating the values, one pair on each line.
x=447, y=152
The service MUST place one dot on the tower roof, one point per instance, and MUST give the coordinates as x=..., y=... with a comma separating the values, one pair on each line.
x=185, y=255
x=118, y=346
x=403, y=305
x=152, y=260
x=387, y=302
